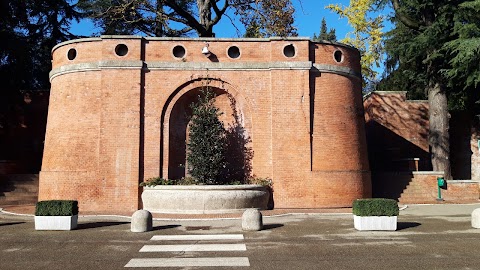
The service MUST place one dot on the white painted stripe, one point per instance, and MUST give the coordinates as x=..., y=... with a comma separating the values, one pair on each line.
x=197, y=237
x=188, y=262
x=194, y=247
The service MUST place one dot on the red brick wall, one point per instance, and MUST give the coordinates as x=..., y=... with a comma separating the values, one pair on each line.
x=109, y=124
x=421, y=187
x=397, y=131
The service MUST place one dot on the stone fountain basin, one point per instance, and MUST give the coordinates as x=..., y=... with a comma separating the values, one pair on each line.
x=204, y=199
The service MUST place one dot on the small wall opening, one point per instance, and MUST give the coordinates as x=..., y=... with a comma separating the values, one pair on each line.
x=72, y=54
x=234, y=52
x=121, y=49
x=338, y=56
x=289, y=51
x=179, y=51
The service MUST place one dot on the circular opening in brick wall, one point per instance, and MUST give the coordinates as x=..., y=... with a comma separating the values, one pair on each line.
x=289, y=51
x=179, y=51
x=72, y=53
x=233, y=52
x=121, y=49
x=338, y=55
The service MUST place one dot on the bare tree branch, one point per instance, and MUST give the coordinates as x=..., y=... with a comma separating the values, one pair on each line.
x=192, y=22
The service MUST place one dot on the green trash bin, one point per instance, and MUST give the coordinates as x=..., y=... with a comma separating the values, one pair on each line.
x=440, y=184
x=440, y=181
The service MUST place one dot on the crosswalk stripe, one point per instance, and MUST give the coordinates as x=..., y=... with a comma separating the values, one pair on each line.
x=188, y=262
x=197, y=237
x=193, y=248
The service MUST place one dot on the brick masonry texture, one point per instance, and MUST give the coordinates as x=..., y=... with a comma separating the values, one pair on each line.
x=116, y=120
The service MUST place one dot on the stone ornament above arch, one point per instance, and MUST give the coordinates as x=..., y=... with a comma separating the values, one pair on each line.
x=242, y=107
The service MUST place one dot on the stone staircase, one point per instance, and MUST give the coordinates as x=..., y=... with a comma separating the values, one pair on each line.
x=419, y=192
x=423, y=189
x=18, y=189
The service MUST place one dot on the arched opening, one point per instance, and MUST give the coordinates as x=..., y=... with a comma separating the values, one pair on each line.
x=239, y=152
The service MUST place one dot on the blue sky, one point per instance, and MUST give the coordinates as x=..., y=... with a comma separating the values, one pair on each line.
x=308, y=17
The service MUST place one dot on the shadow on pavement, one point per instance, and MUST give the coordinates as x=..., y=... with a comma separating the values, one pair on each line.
x=406, y=225
x=271, y=226
x=98, y=225
x=157, y=228
x=10, y=223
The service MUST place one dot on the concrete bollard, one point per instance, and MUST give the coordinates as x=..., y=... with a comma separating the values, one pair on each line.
x=141, y=221
x=252, y=220
x=476, y=218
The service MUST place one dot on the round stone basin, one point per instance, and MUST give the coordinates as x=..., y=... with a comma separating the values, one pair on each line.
x=204, y=199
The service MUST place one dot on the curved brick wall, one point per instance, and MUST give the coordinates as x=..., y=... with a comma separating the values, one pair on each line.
x=110, y=116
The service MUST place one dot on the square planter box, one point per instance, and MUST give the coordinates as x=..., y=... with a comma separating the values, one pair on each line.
x=56, y=223
x=375, y=223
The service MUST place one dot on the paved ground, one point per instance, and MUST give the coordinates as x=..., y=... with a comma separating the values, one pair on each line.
x=429, y=237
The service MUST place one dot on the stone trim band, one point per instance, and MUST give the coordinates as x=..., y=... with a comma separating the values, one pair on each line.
x=119, y=64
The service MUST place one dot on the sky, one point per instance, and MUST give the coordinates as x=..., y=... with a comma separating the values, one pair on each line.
x=308, y=18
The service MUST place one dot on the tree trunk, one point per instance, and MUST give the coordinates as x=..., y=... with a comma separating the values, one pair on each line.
x=205, y=16
x=159, y=20
x=439, y=128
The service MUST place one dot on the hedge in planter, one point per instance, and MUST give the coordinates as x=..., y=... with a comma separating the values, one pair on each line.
x=56, y=215
x=375, y=214
x=56, y=208
x=375, y=207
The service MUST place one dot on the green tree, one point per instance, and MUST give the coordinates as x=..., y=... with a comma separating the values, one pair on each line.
x=268, y=18
x=207, y=140
x=435, y=46
x=366, y=35
x=178, y=18
x=408, y=76
x=325, y=34
x=463, y=73
x=29, y=30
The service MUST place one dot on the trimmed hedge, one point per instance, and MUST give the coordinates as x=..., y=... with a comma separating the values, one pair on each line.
x=375, y=207
x=56, y=208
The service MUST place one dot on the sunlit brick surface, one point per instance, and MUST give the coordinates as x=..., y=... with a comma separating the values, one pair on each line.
x=117, y=120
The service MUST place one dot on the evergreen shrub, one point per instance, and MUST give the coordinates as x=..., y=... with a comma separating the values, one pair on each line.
x=207, y=147
x=375, y=207
x=56, y=208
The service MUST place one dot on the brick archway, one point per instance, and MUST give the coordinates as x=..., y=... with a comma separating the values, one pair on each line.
x=236, y=115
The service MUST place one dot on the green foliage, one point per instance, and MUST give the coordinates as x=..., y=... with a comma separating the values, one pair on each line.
x=324, y=33
x=366, y=35
x=263, y=181
x=444, y=47
x=375, y=207
x=405, y=70
x=269, y=18
x=180, y=18
x=464, y=50
x=207, y=147
x=28, y=31
x=158, y=181
x=56, y=208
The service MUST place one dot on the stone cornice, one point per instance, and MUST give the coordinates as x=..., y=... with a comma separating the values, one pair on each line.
x=340, y=70
x=229, y=66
